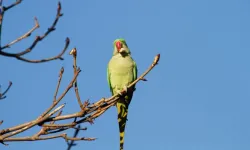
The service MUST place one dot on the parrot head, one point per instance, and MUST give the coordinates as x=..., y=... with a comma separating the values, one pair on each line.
x=121, y=47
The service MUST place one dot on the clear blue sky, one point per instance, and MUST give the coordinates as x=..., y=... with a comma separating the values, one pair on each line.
x=197, y=98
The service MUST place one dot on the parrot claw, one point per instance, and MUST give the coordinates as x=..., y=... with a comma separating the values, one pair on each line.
x=125, y=88
x=119, y=92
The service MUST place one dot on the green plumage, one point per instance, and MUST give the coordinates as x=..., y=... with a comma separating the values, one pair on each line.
x=122, y=71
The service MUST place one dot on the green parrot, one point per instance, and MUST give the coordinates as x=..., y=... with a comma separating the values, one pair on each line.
x=122, y=71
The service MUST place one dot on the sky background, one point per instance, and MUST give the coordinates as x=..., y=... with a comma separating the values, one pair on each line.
x=197, y=98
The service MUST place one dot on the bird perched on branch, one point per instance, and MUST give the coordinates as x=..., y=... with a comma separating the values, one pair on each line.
x=122, y=71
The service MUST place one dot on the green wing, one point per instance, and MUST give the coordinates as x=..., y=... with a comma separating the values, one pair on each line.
x=108, y=78
x=135, y=72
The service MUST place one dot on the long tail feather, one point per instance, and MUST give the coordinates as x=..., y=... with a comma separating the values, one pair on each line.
x=122, y=118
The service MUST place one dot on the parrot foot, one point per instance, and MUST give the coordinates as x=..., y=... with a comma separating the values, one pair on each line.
x=125, y=88
x=119, y=92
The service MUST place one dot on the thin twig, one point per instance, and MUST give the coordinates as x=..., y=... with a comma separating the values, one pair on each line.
x=44, y=130
x=71, y=143
x=58, y=84
x=48, y=137
x=19, y=55
x=40, y=38
x=59, y=56
x=12, y=5
x=63, y=94
x=23, y=36
x=74, y=53
x=4, y=131
x=3, y=95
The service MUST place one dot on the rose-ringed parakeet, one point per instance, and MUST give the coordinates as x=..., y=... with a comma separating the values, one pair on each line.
x=122, y=71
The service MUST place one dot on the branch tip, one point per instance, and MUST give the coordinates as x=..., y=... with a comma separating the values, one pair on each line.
x=67, y=40
x=3, y=95
x=156, y=59
x=73, y=52
x=59, y=7
x=36, y=22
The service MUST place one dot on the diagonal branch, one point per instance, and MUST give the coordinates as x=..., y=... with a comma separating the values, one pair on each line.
x=23, y=36
x=31, y=124
x=38, y=39
x=59, y=56
x=58, y=84
x=12, y=5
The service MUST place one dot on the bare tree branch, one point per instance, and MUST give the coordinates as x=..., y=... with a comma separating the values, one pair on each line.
x=3, y=95
x=74, y=53
x=12, y=5
x=88, y=113
x=64, y=135
x=23, y=36
x=31, y=124
x=59, y=56
x=38, y=39
x=58, y=84
x=71, y=143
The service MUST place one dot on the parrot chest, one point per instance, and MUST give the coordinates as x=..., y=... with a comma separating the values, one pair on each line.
x=121, y=71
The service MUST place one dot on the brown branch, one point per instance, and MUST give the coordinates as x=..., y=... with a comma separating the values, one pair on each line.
x=4, y=131
x=47, y=121
x=40, y=38
x=71, y=143
x=74, y=53
x=59, y=56
x=3, y=95
x=12, y=5
x=23, y=36
x=63, y=129
x=63, y=94
x=60, y=125
x=31, y=124
x=19, y=55
x=44, y=130
x=64, y=135
x=58, y=84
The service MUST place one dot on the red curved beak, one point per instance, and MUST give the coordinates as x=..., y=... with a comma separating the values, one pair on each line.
x=118, y=45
